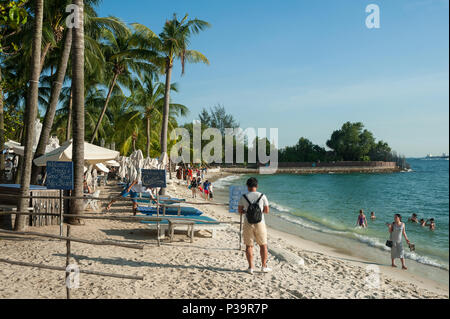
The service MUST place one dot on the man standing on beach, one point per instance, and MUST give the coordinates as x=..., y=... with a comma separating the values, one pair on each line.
x=257, y=205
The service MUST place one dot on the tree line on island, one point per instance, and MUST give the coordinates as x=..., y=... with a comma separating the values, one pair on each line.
x=352, y=142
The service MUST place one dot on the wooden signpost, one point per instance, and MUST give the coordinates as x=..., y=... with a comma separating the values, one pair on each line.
x=60, y=177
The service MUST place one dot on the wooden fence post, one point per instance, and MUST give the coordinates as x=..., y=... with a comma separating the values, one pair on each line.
x=67, y=262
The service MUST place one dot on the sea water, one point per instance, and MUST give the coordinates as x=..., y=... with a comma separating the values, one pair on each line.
x=328, y=205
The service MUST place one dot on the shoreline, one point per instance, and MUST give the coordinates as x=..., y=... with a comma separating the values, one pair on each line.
x=318, y=170
x=417, y=273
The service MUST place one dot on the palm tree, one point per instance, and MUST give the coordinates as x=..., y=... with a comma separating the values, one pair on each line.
x=122, y=58
x=148, y=98
x=173, y=43
x=54, y=99
x=31, y=112
x=78, y=112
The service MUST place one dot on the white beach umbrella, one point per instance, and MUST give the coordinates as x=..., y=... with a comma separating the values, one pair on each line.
x=93, y=154
x=101, y=167
x=112, y=163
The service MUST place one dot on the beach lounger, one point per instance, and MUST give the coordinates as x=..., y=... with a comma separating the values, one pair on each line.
x=200, y=223
x=174, y=210
x=164, y=200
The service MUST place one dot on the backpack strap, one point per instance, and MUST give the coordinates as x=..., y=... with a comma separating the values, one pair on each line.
x=260, y=197
x=246, y=198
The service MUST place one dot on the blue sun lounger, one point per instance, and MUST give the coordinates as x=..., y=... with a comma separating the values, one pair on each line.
x=162, y=199
x=198, y=220
x=183, y=211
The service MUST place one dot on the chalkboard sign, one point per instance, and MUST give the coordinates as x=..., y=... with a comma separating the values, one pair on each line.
x=236, y=192
x=153, y=178
x=60, y=175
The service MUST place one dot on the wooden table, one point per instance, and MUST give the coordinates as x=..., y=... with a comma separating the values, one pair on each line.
x=189, y=224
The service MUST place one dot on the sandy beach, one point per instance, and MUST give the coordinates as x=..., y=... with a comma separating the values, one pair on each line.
x=207, y=268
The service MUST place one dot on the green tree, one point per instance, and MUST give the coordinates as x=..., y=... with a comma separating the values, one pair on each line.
x=13, y=16
x=303, y=151
x=148, y=97
x=380, y=151
x=217, y=117
x=123, y=57
x=352, y=142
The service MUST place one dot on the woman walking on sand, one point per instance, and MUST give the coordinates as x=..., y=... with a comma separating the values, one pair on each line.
x=397, y=230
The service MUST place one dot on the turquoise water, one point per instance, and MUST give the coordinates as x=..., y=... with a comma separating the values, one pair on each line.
x=330, y=203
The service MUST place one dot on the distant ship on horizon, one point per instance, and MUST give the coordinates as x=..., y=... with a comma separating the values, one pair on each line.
x=431, y=156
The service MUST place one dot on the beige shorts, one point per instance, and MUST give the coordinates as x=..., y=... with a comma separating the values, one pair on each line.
x=255, y=232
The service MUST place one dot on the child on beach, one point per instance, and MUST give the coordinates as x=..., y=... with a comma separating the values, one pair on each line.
x=398, y=229
x=250, y=203
x=362, y=220
x=372, y=216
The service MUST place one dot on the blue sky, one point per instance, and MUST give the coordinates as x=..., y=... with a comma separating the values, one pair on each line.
x=306, y=67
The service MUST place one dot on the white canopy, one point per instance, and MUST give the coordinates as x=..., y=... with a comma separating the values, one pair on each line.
x=18, y=149
x=93, y=154
x=112, y=163
x=101, y=167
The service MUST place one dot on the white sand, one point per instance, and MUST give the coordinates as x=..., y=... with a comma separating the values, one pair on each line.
x=208, y=268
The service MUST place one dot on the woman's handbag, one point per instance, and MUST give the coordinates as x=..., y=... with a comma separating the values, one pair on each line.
x=389, y=243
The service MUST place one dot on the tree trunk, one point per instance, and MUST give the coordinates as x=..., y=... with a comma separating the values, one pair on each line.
x=165, y=122
x=69, y=118
x=2, y=133
x=43, y=56
x=31, y=113
x=148, y=136
x=54, y=99
x=100, y=119
x=78, y=113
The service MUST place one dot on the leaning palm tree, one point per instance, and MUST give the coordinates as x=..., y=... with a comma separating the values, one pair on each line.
x=31, y=113
x=78, y=112
x=173, y=43
x=123, y=58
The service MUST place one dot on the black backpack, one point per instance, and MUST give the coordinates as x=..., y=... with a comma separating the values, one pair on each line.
x=254, y=213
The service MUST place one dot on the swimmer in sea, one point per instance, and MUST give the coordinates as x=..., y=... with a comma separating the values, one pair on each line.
x=430, y=223
x=362, y=221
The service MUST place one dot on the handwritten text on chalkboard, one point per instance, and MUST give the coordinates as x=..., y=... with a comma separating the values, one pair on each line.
x=153, y=178
x=60, y=175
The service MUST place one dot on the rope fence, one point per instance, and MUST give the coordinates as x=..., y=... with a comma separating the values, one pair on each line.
x=68, y=269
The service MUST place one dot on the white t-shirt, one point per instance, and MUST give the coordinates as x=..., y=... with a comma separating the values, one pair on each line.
x=253, y=197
